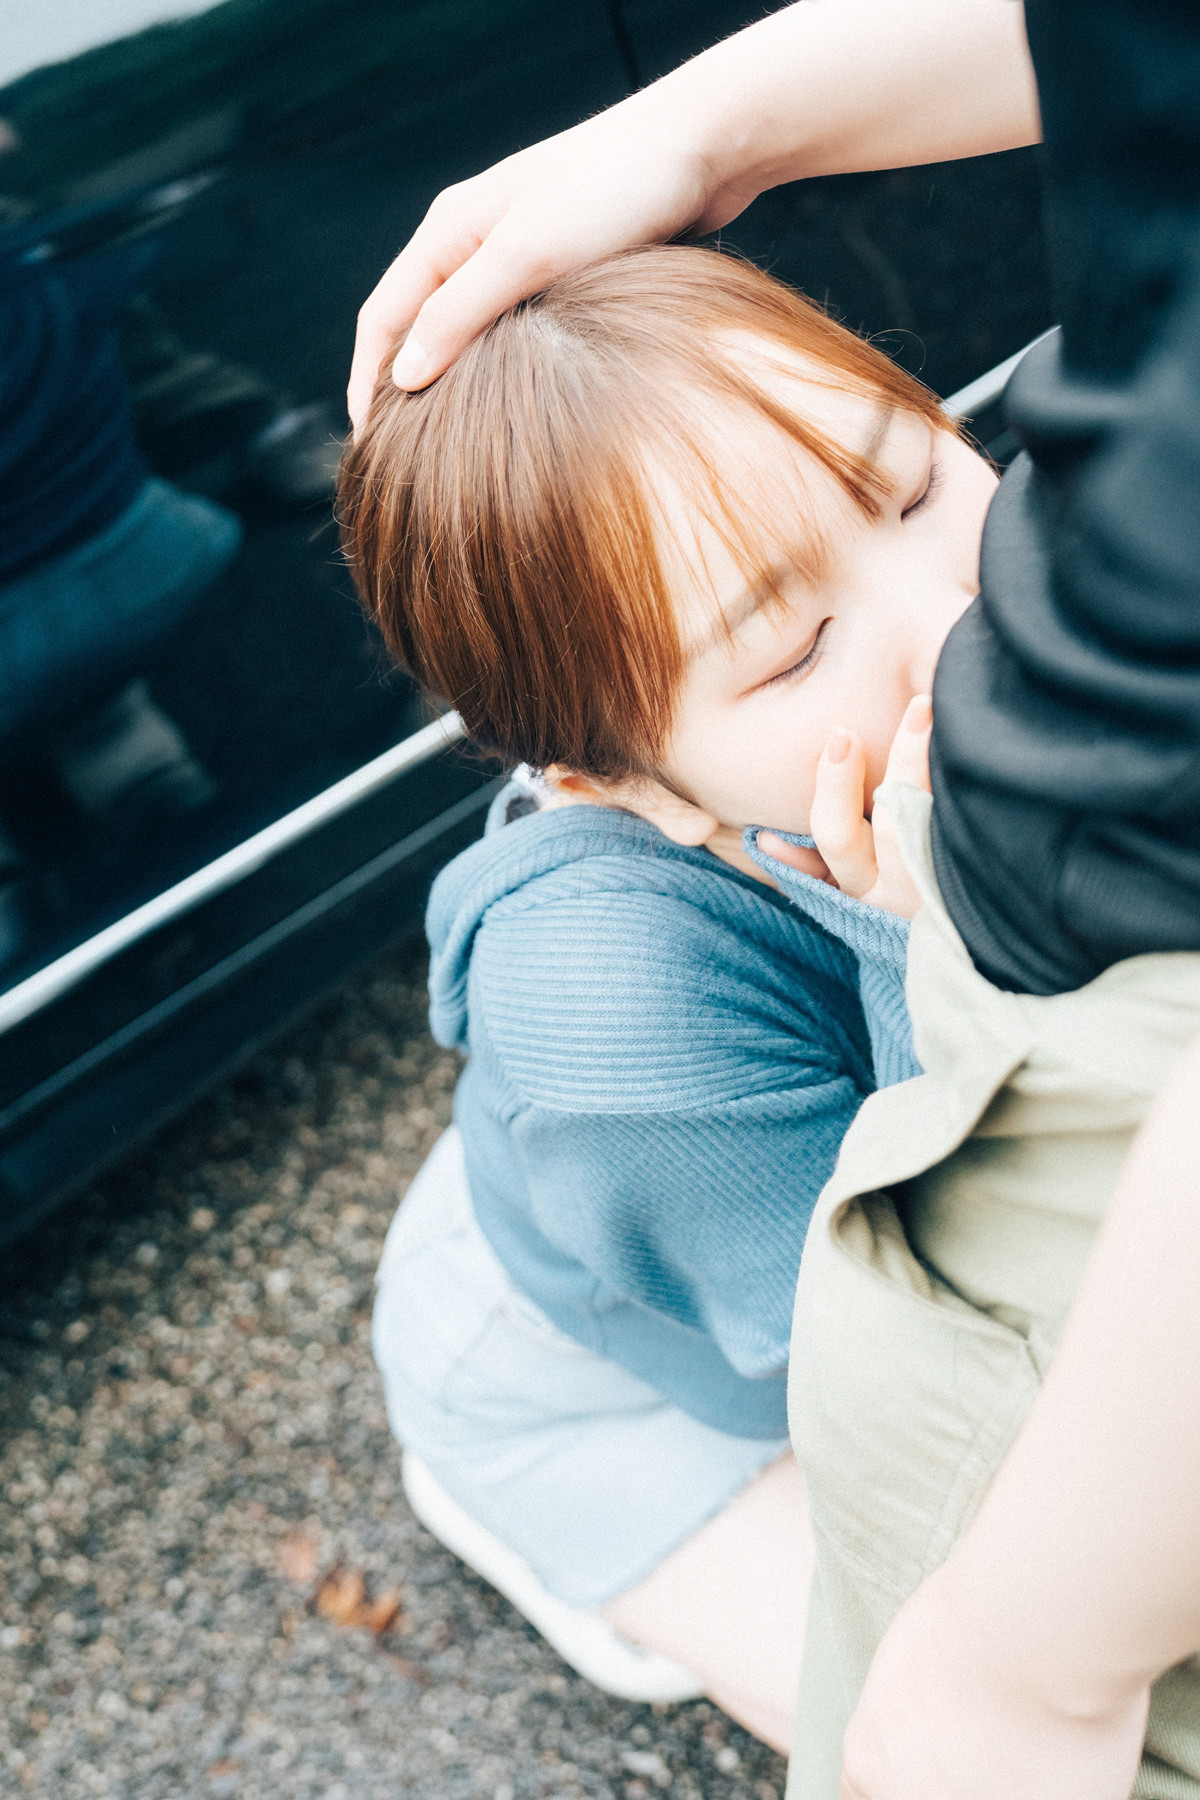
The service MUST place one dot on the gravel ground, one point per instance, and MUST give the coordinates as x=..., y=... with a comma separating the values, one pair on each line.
x=199, y=1497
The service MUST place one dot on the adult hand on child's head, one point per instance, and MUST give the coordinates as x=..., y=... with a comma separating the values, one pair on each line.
x=809, y=90
x=629, y=176
x=862, y=855
x=941, y=1717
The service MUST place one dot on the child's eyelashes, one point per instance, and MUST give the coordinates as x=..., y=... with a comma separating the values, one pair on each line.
x=805, y=663
x=933, y=482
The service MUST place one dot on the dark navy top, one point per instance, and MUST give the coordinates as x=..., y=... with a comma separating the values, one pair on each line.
x=1066, y=723
x=69, y=458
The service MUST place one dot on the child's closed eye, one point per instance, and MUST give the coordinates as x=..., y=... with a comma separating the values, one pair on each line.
x=806, y=662
x=929, y=492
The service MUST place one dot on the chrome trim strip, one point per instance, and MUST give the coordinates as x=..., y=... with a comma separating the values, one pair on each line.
x=987, y=387
x=220, y=974
x=67, y=971
x=57, y=978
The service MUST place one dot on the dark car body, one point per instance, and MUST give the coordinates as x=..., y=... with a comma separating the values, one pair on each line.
x=276, y=153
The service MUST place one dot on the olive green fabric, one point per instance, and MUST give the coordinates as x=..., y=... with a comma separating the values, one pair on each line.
x=939, y=1266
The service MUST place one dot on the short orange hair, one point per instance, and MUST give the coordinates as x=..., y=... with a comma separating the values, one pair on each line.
x=500, y=524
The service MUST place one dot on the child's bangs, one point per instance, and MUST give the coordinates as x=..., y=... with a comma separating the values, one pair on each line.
x=507, y=525
x=760, y=510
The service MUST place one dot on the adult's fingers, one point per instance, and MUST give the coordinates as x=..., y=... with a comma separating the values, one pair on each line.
x=843, y=835
x=447, y=237
x=617, y=180
x=372, y=341
x=461, y=269
x=498, y=275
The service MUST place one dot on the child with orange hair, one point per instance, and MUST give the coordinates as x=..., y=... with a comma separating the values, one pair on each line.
x=685, y=552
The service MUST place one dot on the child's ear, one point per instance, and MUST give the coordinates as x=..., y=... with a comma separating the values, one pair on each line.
x=678, y=819
x=576, y=787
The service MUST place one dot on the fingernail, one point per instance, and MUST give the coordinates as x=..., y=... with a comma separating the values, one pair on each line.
x=838, y=747
x=919, y=716
x=413, y=367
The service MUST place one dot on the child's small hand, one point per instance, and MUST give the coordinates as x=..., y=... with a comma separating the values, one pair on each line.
x=862, y=860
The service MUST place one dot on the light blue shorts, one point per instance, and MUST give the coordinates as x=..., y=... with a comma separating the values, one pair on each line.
x=583, y=1469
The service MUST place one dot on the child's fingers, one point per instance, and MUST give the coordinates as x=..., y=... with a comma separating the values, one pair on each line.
x=908, y=759
x=842, y=834
x=809, y=862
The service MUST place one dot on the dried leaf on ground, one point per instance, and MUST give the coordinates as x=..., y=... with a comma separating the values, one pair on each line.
x=341, y=1596
x=381, y=1614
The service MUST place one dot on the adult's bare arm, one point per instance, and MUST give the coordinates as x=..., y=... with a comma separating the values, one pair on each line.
x=1023, y=1665
x=822, y=87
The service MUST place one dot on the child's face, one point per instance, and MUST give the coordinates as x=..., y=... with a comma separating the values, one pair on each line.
x=852, y=640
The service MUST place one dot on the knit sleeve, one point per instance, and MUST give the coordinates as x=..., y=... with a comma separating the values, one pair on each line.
x=879, y=940
x=677, y=1101
x=701, y=1216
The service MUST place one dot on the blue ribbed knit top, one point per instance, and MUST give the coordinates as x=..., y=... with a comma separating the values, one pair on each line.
x=663, y=1058
x=879, y=941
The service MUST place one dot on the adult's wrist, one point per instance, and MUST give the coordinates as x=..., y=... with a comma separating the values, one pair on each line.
x=738, y=112
x=828, y=86
x=710, y=138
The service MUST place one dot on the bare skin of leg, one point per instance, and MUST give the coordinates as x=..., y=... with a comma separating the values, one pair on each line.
x=730, y=1603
